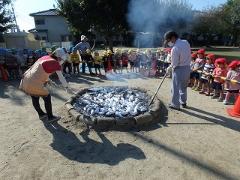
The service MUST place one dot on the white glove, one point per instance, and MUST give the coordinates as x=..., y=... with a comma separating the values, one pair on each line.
x=62, y=79
x=169, y=70
x=70, y=90
x=52, y=83
x=67, y=90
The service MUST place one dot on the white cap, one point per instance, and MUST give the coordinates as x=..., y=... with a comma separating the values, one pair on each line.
x=83, y=37
x=60, y=53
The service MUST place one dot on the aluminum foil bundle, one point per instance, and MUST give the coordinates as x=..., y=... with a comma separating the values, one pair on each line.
x=112, y=102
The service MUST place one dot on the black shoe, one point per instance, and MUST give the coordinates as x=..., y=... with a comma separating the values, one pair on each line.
x=184, y=105
x=173, y=107
x=215, y=97
x=54, y=119
x=43, y=117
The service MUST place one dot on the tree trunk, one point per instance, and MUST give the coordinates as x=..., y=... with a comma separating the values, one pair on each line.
x=235, y=37
x=1, y=37
x=110, y=43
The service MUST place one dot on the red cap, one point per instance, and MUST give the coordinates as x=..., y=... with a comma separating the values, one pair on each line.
x=168, y=50
x=211, y=56
x=221, y=61
x=234, y=64
x=201, y=51
x=194, y=55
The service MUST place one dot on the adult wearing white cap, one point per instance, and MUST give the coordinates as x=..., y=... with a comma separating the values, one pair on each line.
x=35, y=78
x=82, y=50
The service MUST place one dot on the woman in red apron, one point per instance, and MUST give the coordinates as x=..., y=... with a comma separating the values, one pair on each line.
x=35, y=78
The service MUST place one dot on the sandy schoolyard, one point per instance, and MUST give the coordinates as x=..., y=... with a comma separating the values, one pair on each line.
x=201, y=142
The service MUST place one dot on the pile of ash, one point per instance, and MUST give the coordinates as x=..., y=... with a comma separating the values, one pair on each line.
x=116, y=102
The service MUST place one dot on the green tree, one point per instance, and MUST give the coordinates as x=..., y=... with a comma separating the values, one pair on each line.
x=106, y=17
x=5, y=15
x=224, y=20
x=210, y=22
x=231, y=16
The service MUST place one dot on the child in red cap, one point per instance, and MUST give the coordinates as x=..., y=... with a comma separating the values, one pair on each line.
x=206, y=79
x=198, y=66
x=192, y=75
x=168, y=60
x=231, y=87
x=219, y=71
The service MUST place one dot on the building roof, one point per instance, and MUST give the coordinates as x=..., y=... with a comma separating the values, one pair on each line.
x=50, y=12
x=37, y=30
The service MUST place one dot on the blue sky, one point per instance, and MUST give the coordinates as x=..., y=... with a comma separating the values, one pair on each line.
x=24, y=7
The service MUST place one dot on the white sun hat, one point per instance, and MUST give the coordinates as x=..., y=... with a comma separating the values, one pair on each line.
x=83, y=37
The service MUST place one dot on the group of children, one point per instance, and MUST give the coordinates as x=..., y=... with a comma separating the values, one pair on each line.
x=148, y=62
x=214, y=77
x=89, y=59
x=14, y=62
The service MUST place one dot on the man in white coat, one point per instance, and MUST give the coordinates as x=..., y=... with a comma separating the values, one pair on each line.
x=180, y=63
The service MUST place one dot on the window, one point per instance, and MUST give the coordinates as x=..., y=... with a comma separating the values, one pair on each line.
x=44, y=38
x=39, y=21
x=37, y=37
x=65, y=38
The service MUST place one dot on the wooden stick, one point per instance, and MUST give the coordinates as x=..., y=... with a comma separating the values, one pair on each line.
x=230, y=80
x=154, y=96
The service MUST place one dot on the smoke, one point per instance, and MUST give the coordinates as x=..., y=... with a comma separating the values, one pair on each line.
x=150, y=19
x=123, y=77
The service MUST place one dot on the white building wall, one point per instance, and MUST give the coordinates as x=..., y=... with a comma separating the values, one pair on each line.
x=56, y=26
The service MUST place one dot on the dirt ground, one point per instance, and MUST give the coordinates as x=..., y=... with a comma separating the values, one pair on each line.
x=200, y=142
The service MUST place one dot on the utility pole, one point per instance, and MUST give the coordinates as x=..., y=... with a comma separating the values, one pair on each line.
x=15, y=19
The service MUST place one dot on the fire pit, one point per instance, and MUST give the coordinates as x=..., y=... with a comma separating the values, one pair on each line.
x=113, y=106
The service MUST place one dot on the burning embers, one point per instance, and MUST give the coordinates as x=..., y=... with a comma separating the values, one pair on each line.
x=117, y=102
x=113, y=107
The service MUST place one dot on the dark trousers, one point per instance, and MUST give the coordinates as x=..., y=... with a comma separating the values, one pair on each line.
x=13, y=72
x=83, y=67
x=68, y=66
x=89, y=65
x=76, y=68
x=47, y=103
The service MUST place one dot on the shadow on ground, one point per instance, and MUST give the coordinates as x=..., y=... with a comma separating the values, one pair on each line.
x=184, y=157
x=68, y=144
x=104, y=152
x=214, y=118
x=3, y=90
x=59, y=96
x=9, y=90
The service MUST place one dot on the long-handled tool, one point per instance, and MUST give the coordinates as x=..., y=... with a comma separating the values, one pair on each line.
x=154, y=96
x=69, y=90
